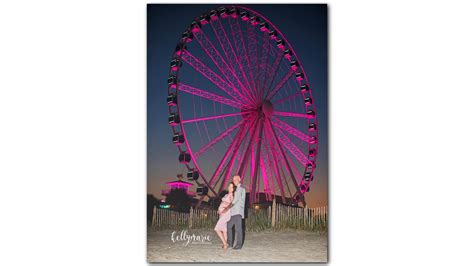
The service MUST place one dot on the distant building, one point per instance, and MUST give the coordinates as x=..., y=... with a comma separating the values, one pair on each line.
x=185, y=186
x=178, y=185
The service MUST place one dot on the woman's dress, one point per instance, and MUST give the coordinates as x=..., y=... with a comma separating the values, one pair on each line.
x=224, y=217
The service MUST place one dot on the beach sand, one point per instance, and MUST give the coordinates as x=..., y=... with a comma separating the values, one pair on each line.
x=268, y=246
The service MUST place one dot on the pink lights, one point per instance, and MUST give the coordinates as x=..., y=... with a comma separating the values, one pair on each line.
x=244, y=117
x=212, y=76
x=179, y=184
x=209, y=96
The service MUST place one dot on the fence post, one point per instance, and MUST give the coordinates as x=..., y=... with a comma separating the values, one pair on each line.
x=153, y=218
x=191, y=217
x=273, y=212
x=305, y=216
x=158, y=218
x=325, y=215
x=319, y=217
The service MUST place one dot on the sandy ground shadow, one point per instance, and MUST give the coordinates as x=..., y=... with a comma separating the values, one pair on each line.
x=280, y=246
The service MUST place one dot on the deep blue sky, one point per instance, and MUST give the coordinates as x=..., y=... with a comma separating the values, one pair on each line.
x=305, y=27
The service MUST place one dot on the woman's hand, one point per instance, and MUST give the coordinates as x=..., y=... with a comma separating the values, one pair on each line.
x=226, y=208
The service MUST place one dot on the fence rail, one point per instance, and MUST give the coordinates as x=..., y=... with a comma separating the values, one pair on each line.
x=277, y=216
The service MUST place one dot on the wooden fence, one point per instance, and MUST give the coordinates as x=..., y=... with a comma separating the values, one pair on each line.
x=196, y=218
x=314, y=219
x=277, y=216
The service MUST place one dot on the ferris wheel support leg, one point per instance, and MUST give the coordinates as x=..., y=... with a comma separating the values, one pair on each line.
x=266, y=169
x=230, y=164
x=221, y=164
x=228, y=168
x=228, y=152
x=253, y=191
x=243, y=164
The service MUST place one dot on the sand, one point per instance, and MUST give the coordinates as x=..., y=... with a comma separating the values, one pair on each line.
x=196, y=245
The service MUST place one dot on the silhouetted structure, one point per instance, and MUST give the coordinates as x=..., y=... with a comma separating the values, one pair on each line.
x=178, y=200
x=151, y=201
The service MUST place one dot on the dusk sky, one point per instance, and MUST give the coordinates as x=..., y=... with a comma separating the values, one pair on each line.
x=304, y=26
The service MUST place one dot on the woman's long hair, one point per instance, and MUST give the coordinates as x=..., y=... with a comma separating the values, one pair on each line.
x=234, y=188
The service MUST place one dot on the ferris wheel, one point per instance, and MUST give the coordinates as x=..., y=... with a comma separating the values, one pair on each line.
x=240, y=103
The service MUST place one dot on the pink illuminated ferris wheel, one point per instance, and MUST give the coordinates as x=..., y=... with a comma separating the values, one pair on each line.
x=240, y=103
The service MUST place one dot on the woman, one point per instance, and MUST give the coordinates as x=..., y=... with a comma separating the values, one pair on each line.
x=224, y=215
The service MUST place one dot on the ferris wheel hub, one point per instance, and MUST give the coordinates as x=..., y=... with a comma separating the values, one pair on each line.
x=267, y=108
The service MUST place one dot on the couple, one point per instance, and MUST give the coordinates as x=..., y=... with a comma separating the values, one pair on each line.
x=231, y=212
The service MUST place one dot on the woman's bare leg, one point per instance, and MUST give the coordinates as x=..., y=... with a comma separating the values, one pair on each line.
x=225, y=240
x=221, y=236
x=225, y=237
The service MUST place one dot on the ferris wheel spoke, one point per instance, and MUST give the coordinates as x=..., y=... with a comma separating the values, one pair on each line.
x=211, y=76
x=217, y=139
x=272, y=73
x=272, y=158
x=209, y=96
x=252, y=52
x=299, y=115
x=279, y=157
x=302, y=182
x=214, y=55
x=283, y=174
x=290, y=129
x=242, y=53
x=219, y=61
x=286, y=163
x=269, y=54
x=263, y=65
x=280, y=84
x=230, y=54
x=212, y=117
x=289, y=97
x=295, y=170
x=291, y=147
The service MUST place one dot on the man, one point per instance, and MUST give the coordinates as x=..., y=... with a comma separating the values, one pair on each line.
x=237, y=209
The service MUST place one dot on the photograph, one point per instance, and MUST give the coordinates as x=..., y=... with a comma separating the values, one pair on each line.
x=237, y=133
